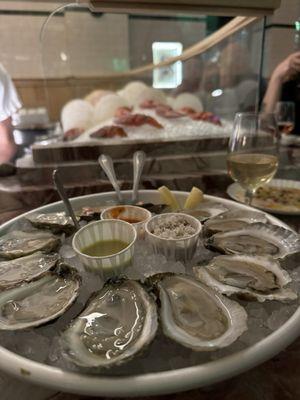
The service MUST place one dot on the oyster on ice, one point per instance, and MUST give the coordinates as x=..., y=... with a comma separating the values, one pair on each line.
x=197, y=316
x=57, y=222
x=18, y=243
x=24, y=269
x=256, y=239
x=118, y=322
x=233, y=220
x=206, y=210
x=248, y=277
x=38, y=302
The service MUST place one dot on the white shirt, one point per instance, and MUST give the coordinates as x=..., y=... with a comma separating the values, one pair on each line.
x=9, y=100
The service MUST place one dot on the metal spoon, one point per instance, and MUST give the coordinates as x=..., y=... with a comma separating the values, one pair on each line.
x=108, y=167
x=63, y=195
x=139, y=158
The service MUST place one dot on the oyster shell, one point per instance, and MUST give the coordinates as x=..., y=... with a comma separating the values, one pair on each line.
x=89, y=213
x=57, y=222
x=18, y=243
x=233, y=220
x=118, y=322
x=40, y=301
x=253, y=278
x=257, y=239
x=197, y=316
x=25, y=269
x=206, y=210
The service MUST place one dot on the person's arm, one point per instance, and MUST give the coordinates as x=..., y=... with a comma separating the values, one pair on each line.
x=7, y=144
x=284, y=72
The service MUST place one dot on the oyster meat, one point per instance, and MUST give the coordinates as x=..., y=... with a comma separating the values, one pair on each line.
x=118, y=323
x=18, y=243
x=248, y=277
x=206, y=210
x=256, y=239
x=57, y=222
x=89, y=213
x=233, y=220
x=40, y=301
x=197, y=316
x=24, y=269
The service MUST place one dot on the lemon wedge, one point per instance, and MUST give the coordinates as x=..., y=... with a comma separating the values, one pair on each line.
x=194, y=198
x=169, y=198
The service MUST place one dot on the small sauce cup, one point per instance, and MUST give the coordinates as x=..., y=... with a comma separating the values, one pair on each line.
x=179, y=249
x=111, y=265
x=137, y=216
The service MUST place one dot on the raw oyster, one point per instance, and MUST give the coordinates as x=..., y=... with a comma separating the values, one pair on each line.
x=118, y=322
x=57, y=222
x=40, y=301
x=257, y=239
x=206, y=210
x=253, y=278
x=197, y=316
x=25, y=269
x=18, y=243
x=89, y=213
x=233, y=220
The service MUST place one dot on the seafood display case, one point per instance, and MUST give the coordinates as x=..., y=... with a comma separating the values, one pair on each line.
x=166, y=83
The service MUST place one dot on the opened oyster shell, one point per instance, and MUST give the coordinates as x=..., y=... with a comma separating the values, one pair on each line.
x=118, y=322
x=257, y=239
x=25, y=269
x=57, y=222
x=233, y=220
x=206, y=210
x=197, y=316
x=40, y=301
x=252, y=278
x=18, y=243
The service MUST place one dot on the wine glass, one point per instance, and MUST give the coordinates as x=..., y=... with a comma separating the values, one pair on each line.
x=285, y=115
x=252, y=159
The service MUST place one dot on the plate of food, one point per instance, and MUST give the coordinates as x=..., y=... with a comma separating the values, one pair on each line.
x=280, y=196
x=164, y=324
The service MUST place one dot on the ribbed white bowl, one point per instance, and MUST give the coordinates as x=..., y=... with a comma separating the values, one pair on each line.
x=130, y=212
x=109, y=229
x=174, y=249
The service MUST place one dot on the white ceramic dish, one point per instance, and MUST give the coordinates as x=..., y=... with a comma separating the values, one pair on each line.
x=236, y=192
x=150, y=383
x=174, y=249
x=109, y=229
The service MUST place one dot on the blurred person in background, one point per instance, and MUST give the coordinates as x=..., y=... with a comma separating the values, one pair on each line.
x=9, y=104
x=284, y=85
x=229, y=85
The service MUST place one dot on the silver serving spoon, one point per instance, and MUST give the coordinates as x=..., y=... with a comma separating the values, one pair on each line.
x=63, y=195
x=107, y=165
x=139, y=158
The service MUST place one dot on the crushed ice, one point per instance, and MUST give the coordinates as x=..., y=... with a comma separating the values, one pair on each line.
x=42, y=344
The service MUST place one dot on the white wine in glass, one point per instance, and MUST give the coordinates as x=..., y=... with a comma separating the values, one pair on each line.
x=253, y=151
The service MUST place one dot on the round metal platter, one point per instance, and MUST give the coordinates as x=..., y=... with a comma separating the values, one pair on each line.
x=151, y=383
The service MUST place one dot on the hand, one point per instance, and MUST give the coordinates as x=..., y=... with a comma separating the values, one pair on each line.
x=288, y=68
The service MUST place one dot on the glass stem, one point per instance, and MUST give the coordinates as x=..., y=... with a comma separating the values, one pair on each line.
x=249, y=196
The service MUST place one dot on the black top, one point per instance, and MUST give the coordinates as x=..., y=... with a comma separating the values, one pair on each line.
x=291, y=92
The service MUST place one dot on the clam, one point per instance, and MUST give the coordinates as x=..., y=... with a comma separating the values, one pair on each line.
x=118, y=322
x=57, y=222
x=256, y=239
x=24, y=269
x=233, y=220
x=18, y=243
x=197, y=316
x=38, y=302
x=248, y=277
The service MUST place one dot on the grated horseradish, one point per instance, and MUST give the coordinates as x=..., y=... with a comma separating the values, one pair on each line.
x=173, y=227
